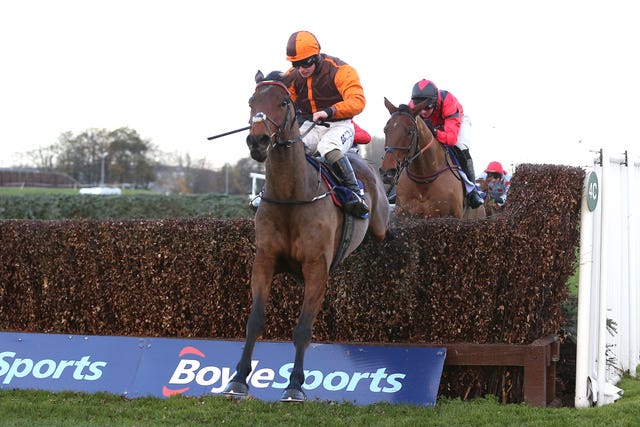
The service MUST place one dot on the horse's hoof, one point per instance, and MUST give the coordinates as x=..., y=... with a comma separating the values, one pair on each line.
x=236, y=389
x=293, y=395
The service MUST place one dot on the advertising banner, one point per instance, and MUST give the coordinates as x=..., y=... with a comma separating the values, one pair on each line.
x=162, y=367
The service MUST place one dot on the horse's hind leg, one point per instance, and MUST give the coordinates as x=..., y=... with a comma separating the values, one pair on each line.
x=261, y=279
x=316, y=277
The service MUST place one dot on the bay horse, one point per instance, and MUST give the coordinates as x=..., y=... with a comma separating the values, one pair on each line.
x=490, y=207
x=298, y=227
x=428, y=183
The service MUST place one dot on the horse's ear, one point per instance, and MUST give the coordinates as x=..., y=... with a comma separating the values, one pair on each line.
x=392, y=108
x=259, y=76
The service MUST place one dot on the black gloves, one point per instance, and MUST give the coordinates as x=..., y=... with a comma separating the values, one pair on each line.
x=431, y=128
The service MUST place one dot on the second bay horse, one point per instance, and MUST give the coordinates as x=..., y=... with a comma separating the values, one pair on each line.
x=428, y=182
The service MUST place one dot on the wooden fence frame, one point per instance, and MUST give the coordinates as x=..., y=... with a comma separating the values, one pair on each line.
x=538, y=359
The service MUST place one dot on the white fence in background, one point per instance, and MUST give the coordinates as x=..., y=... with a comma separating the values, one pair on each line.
x=608, y=298
x=100, y=190
x=257, y=180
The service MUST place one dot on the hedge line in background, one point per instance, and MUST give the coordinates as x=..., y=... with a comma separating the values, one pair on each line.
x=139, y=206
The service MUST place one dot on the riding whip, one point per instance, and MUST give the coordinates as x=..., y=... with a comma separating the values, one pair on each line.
x=229, y=133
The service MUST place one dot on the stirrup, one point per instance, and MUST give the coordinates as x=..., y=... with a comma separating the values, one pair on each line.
x=474, y=199
x=357, y=205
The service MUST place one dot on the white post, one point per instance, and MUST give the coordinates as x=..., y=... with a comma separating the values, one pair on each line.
x=226, y=178
x=584, y=343
x=254, y=183
x=633, y=178
x=102, y=155
x=602, y=292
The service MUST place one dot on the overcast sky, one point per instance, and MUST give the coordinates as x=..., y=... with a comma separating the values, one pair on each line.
x=543, y=81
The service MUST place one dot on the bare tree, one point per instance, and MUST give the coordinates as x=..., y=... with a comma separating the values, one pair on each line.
x=127, y=157
x=42, y=158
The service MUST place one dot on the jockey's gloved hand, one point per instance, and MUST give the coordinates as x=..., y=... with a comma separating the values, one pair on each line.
x=431, y=128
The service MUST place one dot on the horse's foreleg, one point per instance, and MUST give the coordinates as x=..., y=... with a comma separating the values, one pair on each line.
x=261, y=279
x=315, y=280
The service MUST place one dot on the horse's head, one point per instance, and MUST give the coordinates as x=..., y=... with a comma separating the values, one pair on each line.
x=272, y=115
x=400, y=139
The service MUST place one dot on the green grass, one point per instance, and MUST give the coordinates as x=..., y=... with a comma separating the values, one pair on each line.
x=40, y=408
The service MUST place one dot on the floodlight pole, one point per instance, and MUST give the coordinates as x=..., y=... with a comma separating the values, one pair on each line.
x=102, y=155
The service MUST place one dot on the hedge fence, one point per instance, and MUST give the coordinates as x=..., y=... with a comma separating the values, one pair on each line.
x=496, y=280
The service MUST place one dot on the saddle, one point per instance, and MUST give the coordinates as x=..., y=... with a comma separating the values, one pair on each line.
x=455, y=154
x=340, y=195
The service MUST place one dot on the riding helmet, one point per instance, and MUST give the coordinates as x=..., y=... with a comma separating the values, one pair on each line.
x=425, y=90
x=302, y=45
x=495, y=167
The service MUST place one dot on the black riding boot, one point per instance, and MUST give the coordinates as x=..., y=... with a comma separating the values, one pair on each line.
x=473, y=198
x=356, y=206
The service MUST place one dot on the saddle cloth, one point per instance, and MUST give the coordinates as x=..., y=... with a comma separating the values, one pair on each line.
x=339, y=193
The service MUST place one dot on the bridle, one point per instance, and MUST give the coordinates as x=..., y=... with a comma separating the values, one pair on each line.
x=275, y=137
x=413, y=151
x=411, y=148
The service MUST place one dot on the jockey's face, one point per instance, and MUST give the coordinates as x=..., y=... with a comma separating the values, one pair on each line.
x=305, y=68
x=426, y=113
x=493, y=176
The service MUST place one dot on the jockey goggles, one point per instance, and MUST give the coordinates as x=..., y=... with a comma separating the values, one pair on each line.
x=304, y=63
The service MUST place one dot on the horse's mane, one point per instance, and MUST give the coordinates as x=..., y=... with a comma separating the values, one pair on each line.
x=275, y=76
x=279, y=76
x=403, y=108
x=285, y=79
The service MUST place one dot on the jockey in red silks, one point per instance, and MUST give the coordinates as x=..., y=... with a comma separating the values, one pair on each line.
x=445, y=117
x=498, y=182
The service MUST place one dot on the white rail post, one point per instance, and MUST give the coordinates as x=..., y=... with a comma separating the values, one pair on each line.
x=584, y=343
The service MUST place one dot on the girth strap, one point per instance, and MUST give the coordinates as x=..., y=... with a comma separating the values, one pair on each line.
x=345, y=241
